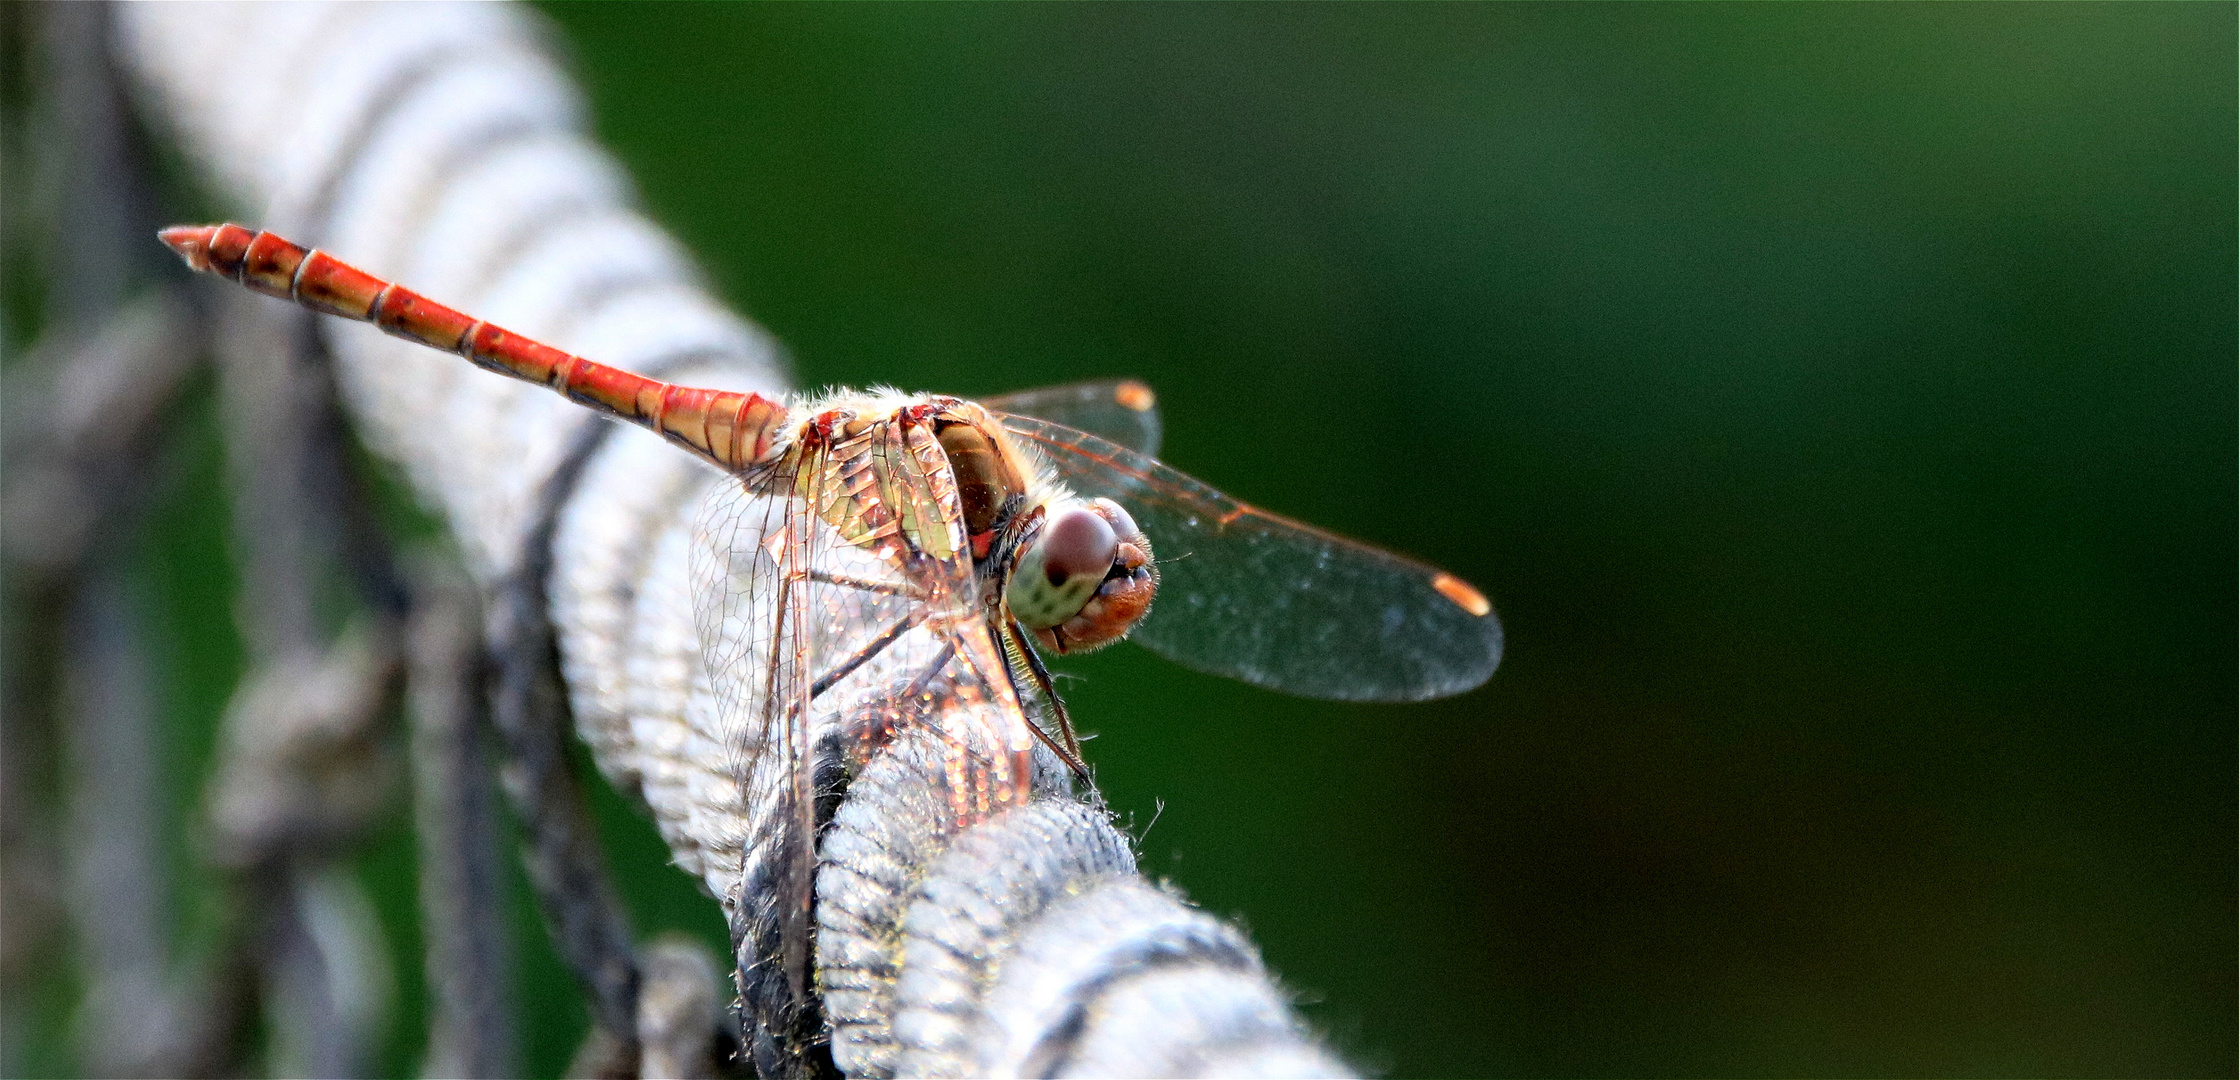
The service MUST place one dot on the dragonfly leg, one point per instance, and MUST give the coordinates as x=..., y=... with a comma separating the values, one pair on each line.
x=863, y=655
x=1016, y=643
x=925, y=678
x=886, y=588
x=1070, y=758
x=974, y=777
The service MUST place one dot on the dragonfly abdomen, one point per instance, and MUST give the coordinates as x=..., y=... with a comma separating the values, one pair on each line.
x=731, y=429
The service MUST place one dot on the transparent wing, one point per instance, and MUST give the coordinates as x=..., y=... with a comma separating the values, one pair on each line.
x=839, y=611
x=752, y=547
x=1277, y=603
x=1122, y=411
x=949, y=674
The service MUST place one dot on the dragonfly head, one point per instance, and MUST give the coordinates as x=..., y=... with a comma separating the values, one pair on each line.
x=1084, y=578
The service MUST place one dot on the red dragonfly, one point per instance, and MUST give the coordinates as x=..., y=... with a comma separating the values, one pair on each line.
x=902, y=560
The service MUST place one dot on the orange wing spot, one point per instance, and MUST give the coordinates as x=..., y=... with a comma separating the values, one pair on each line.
x=1462, y=593
x=1134, y=395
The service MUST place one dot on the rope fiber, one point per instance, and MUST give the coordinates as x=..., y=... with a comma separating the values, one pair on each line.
x=441, y=146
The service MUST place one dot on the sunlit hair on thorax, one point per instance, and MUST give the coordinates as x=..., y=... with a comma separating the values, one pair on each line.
x=1075, y=573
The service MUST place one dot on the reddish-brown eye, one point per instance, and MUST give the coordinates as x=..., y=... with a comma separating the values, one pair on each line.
x=1122, y=522
x=1083, y=579
x=1078, y=542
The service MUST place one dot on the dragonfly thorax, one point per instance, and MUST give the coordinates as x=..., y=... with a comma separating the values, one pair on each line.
x=1076, y=573
x=991, y=478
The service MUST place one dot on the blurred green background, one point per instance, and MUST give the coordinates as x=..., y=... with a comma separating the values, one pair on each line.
x=1840, y=403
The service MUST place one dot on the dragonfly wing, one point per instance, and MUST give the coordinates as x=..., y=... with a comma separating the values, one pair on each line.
x=954, y=680
x=754, y=543
x=1122, y=411
x=1276, y=603
x=840, y=611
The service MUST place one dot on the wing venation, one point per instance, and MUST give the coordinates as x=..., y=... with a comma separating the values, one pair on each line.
x=1277, y=603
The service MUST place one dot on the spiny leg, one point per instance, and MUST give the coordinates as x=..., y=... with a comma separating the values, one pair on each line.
x=972, y=776
x=1015, y=643
x=885, y=588
x=1071, y=761
x=925, y=678
x=877, y=644
x=863, y=655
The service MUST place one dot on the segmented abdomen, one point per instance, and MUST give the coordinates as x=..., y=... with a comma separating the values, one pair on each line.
x=733, y=430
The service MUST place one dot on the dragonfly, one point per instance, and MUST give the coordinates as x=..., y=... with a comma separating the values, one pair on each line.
x=905, y=560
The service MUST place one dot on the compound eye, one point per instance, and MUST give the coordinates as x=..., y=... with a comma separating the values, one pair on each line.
x=1060, y=568
x=1077, y=544
x=1121, y=521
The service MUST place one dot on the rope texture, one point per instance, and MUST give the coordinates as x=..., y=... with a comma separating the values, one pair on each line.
x=441, y=146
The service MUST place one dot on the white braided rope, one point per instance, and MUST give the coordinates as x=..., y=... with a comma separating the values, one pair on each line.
x=440, y=146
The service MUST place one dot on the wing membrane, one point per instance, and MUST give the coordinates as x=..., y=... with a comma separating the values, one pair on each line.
x=755, y=542
x=839, y=610
x=1258, y=597
x=1122, y=411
